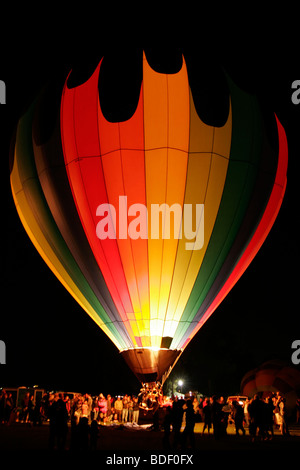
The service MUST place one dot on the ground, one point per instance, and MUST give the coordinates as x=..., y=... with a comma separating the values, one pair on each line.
x=113, y=440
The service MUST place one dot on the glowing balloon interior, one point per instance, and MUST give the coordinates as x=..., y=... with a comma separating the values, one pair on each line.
x=149, y=294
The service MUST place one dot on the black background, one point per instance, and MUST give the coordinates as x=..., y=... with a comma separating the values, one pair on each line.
x=50, y=341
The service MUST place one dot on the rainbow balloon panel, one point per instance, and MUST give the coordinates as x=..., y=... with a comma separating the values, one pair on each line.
x=147, y=222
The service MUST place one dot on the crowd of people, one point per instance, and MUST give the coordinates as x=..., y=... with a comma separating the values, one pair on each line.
x=102, y=409
x=260, y=416
x=84, y=414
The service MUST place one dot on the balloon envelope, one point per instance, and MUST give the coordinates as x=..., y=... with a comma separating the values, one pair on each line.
x=147, y=222
x=273, y=376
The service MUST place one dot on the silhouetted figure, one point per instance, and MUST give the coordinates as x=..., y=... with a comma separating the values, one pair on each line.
x=94, y=434
x=26, y=404
x=207, y=418
x=58, y=423
x=217, y=416
x=83, y=436
x=75, y=433
x=155, y=426
x=257, y=415
x=238, y=416
x=9, y=406
x=269, y=416
x=190, y=419
x=177, y=421
x=167, y=428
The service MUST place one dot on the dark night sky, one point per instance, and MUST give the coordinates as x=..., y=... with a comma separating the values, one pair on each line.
x=52, y=342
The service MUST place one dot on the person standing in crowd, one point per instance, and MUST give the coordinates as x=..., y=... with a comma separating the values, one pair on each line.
x=125, y=409
x=68, y=405
x=177, y=416
x=94, y=434
x=188, y=432
x=207, y=418
x=135, y=410
x=95, y=409
x=89, y=401
x=256, y=415
x=25, y=408
x=269, y=417
x=130, y=409
x=84, y=409
x=238, y=417
x=246, y=414
x=58, y=428
x=32, y=410
x=155, y=415
x=9, y=406
x=283, y=415
x=109, y=412
x=217, y=415
x=6, y=406
x=118, y=405
x=196, y=406
x=276, y=401
x=201, y=402
x=167, y=428
x=102, y=407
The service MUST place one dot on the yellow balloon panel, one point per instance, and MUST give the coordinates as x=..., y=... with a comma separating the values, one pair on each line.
x=166, y=124
x=205, y=181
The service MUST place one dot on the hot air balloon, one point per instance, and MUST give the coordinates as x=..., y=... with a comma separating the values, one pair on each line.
x=271, y=377
x=148, y=222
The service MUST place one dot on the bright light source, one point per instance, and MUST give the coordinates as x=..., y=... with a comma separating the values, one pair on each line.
x=180, y=383
x=153, y=348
